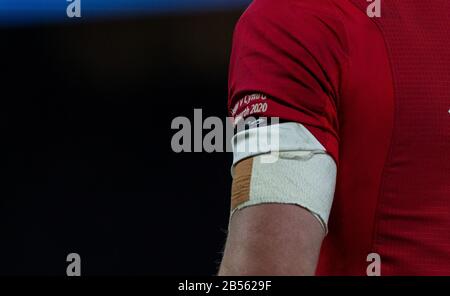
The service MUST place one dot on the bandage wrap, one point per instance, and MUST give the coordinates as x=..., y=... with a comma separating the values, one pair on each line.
x=303, y=174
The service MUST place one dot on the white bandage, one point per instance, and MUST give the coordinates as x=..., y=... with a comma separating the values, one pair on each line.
x=304, y=174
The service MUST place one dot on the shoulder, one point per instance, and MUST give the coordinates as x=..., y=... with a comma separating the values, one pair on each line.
x=313, y=22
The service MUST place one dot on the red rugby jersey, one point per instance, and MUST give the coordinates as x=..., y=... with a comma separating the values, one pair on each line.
x=376, y=93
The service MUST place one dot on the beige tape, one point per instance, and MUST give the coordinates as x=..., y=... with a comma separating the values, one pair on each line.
x=240, y=190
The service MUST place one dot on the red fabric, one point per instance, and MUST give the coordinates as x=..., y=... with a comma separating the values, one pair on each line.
x=299, y=72
x=376, y=94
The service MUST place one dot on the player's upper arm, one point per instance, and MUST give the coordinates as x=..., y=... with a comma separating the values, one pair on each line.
x=289, y=60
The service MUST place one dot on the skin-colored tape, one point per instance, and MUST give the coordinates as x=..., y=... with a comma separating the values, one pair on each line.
x=240, y=189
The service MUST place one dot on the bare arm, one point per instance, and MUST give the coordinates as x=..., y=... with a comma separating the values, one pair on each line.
x=272, y=239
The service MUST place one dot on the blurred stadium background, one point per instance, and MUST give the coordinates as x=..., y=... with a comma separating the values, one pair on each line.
x=85, y=114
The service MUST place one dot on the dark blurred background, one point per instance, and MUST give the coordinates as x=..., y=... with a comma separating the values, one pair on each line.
x=86, y=107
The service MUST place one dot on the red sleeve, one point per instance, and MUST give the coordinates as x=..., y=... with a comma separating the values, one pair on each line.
x=294, y=53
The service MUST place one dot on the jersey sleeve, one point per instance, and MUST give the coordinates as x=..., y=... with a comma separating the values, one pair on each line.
x=290, y=57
